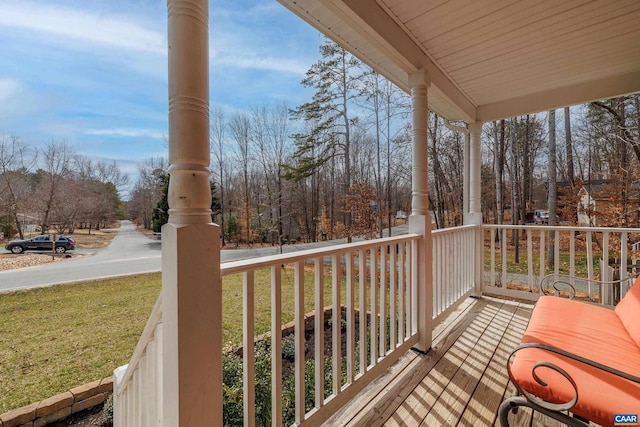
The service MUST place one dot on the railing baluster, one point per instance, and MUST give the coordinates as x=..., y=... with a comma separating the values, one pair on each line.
x=590, y=262
x=159, y=401
x=413, y=263
x=145, y=387
x=556, y=251
x=402, y=297
x=543, y=251
x=362, y=308
x=408, y=265
x=276, y=346
x=299, y=340
x=319, y=331
x=435, y=248
x=623, y=255
x=336, y=317
x=446, y=289
x=383, y=302
x=248, y=350
x=374, y=306
x=530, y=259
x=492, y=245
x=572, y=255
x=351, y=324
x=136, y=395
x=392, y=297
x=503, y=255
x=461, y=270
x=606, y=296
x=438, y=281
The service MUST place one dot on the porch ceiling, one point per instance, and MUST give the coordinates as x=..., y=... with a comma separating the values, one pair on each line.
x=491, y=59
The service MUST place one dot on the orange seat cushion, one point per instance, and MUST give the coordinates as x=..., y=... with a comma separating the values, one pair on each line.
x=590, y=331
x=628, y=310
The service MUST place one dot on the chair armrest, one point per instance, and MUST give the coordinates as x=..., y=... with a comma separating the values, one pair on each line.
x=566, y=405
x=553, y=284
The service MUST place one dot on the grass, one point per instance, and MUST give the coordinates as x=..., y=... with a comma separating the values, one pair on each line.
x=54, y=339
x=522, y=267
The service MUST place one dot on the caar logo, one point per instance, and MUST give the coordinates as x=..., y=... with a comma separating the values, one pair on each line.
x=625, y=420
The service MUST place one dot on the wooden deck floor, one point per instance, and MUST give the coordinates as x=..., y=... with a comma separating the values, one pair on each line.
x=460, y=382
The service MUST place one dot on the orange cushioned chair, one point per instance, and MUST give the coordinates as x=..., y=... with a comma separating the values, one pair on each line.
x=581, y=358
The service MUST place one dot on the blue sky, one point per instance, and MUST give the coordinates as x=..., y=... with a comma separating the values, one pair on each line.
x=93, y=73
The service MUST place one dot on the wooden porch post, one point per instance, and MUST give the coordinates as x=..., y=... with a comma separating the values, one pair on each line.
x=191, y=285
x=420, y=220
x=475, y=206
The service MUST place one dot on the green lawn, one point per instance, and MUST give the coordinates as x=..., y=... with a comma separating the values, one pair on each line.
x=522, y=267
x=54, y=339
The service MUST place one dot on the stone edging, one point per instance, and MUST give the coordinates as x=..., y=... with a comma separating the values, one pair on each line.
x=58, y=407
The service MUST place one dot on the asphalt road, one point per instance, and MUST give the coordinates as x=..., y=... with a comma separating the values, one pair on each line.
x=130, y=252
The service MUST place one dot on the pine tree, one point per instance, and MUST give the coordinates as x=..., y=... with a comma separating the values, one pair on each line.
x=160, y=214
x=335, y=78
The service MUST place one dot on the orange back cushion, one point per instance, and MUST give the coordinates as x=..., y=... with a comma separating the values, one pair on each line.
x=628, y=310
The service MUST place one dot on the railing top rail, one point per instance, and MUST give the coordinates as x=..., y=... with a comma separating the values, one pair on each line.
x=268, y=261
x=454, y=229
x=147, y=334
x=563, y=227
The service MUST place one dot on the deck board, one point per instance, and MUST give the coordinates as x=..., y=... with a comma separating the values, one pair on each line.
x=461, y=381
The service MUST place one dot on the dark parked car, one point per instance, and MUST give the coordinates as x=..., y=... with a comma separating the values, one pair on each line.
x=41, y=243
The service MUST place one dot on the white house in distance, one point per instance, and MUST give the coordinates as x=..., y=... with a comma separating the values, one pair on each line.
x=590, y=192
x=595, y=196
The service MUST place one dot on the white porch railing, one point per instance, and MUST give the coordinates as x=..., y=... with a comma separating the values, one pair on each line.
x=369, y=280
x=453, y=268
x=370, y=277
x=137, y=392
x=516, y=259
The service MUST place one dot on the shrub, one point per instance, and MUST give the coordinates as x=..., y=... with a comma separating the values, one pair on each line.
x=289, y=347
x=289, y=390
x=233, y=391
x=106, y=419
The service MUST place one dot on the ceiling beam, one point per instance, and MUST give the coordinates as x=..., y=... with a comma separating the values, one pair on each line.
x=374, y=25
x=580, y=93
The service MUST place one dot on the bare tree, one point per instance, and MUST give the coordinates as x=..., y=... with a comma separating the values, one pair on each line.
x=15, y=164
x=568, y=144
x=499, y=169
x=240, y=127
x=217, y=145
x=270, y=131
x=147, y=191
x=553, y=188
x=57, y=157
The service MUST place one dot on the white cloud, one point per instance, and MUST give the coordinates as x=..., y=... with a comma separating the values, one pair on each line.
x=250, y=60
x=82, y=26
x=9, y=88
x=126, y=133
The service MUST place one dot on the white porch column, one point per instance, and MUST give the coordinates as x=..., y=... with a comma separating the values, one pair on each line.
x=466, y=179
x=475, y=164
x=420, y=220
x=191, y=285
x=475, y=206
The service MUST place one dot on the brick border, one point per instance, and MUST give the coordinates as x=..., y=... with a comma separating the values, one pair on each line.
x=58, y=407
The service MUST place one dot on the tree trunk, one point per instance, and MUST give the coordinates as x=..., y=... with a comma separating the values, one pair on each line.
x=500, y=152
x=553, y=189
x=569, y=146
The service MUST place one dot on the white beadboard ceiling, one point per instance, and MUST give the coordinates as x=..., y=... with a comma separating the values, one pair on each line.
x=491, y=59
